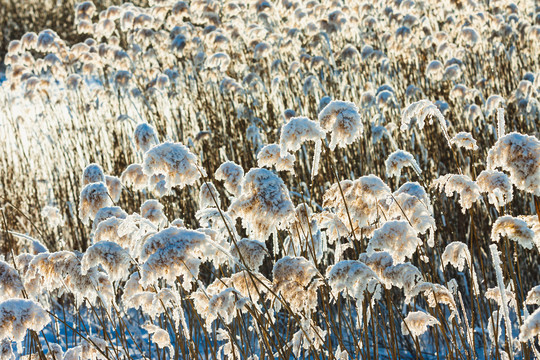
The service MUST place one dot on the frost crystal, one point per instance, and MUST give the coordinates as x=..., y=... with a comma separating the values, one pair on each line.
x=504, y=300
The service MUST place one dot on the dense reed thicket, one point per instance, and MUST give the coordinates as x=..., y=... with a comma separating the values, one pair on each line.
x=19, y=17
x=252, y=180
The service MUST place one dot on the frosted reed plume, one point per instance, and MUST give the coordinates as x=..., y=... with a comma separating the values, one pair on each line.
x=209, y=179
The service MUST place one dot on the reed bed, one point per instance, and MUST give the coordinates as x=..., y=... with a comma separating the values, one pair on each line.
x=273, y=180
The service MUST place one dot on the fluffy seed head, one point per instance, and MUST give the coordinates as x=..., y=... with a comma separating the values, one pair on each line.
x=457, y=254
x=416, y=323
x=232, y=174
x=175, y=162
x=419, y=111
x=497, y=185
x=94, y=197
x=264, y=204
x=293, y=279
x=153, y=211
x=208, y=196
x=271, y=155
x=513, y=228
x=93, y=173
x=352, y=276
x=341, y=118
x=11, y=285
x=114, y=259
x=145, y=137
x=468, y=190
x=134, y=176
x=531, y=327
x=297, y=131
x=53, y=216
x=114, y=185
x=398, y=160
x=19, y=315
x=519, y=155
x=464, y=140
x=251, y=251
x=398, y=238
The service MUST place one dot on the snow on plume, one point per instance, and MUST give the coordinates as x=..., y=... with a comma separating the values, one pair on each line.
x=341, y=118
x=19, y=315
x=175, y=162
x=94, y=197
x=396, y=237
x=297, y=131
x=416, y=323
x=397, y=160
x=519, y=155
x=264, y=204
x=231, y=174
